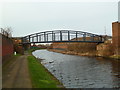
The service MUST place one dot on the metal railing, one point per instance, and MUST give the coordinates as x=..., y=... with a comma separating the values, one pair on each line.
x=5, y=33
x=62, y=36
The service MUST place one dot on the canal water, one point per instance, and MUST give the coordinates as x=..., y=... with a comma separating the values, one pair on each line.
x=81, y=72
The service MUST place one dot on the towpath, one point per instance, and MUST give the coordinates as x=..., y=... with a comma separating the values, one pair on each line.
x=16, y=75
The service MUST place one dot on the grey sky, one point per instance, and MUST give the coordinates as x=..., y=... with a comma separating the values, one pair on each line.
x=27, y=18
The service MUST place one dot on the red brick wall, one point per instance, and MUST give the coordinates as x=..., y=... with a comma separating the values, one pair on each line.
x=116, y=36
x=59, y=45
x=105, y=49
x=77, y=47
x=7, y=48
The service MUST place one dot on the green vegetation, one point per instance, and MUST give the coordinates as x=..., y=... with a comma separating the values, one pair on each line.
x=34, y=47
x=115, y=56
x=30, y=50
x=40, y=77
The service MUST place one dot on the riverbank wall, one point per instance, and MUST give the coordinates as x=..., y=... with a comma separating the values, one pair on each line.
x=105, y=49
x=75, y=48
x=84, y=49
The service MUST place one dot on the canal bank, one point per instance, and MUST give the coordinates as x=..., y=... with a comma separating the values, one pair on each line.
x=40, y=76
x=79, y=71
x=105, y=49
x=88, y=54
x=25, y=71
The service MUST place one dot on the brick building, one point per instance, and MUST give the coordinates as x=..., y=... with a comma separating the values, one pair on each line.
x=18, y=47
x=116, y=37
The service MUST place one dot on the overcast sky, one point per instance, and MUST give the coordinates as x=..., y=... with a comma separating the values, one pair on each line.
x=30, y=17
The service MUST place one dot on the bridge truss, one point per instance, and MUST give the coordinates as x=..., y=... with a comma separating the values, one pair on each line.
x=62, y=36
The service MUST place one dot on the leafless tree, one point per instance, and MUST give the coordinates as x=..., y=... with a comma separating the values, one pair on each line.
x=7, y=31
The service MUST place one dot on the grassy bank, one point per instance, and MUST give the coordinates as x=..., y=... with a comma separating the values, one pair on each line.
x=92, y=54
x=40, y=77
x=115, y=56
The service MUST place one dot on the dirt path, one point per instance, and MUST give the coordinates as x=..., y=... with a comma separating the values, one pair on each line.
x=17, y=75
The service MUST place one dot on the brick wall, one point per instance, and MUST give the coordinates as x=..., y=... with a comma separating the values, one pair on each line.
x=60, y=45
x=82, y=47
x=105, y=49
x=116, y=37
x=77, y=47
x=18, y=47
x=7, y=48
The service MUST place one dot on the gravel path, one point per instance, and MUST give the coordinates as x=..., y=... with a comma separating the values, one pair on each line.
x=17, y=74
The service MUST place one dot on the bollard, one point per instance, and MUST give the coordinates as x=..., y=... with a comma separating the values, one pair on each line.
x=14, y=53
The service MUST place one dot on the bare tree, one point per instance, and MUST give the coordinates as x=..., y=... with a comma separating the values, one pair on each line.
x=7, y=31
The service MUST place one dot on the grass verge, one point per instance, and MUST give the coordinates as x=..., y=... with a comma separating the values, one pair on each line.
x=40, y=77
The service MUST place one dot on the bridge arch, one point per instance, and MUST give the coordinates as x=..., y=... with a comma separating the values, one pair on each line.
x=62, y=36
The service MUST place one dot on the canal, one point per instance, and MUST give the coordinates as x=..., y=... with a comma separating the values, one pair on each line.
x=81, y=72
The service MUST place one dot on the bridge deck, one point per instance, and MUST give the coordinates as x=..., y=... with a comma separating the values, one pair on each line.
x=63, y=41
x=62, y=36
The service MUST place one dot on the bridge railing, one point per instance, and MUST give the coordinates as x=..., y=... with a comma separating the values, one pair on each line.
x=62, y=36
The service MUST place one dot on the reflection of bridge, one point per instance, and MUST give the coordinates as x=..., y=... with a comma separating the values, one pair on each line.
x=62, y=36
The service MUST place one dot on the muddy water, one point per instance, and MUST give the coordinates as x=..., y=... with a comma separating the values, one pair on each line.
x=81, y=72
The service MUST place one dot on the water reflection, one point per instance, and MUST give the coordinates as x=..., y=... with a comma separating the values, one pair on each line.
x=81, y=72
